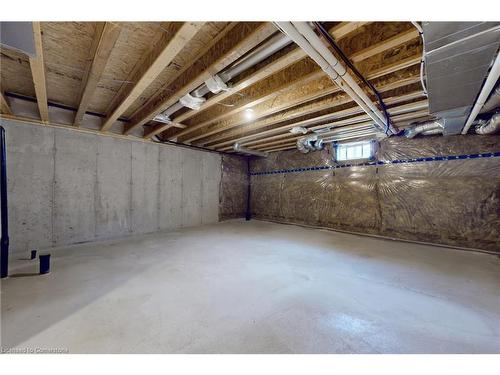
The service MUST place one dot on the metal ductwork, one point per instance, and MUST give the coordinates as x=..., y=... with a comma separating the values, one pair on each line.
x=239, y=148
x=458, y=56
x=310, y=143
x=18, y=36
x=492, y=126
x=426, y=128
x=259, y=54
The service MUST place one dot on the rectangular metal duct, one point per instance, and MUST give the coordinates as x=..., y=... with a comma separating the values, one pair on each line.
x=19, y=36
x=458, y=56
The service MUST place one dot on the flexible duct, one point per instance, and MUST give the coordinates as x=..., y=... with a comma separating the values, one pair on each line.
x=431, y=127
x=301, y=145
x=310, y=143
x=432, y=132
x=239, y=148
x=492, y=126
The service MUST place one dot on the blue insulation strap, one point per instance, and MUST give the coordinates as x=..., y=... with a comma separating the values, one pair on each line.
x=377, y=163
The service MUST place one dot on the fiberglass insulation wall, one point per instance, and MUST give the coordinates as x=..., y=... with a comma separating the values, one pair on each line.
x=67, y=187
x=234, y=187
x=453, y=202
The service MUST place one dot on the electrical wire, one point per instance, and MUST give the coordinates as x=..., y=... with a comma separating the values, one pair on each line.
x=348, y=62
x=422, y=61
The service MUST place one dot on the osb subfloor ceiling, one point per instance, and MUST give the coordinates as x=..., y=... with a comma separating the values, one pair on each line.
x=125, y=74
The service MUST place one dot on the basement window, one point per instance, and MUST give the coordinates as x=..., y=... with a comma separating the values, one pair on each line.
x=364, y=150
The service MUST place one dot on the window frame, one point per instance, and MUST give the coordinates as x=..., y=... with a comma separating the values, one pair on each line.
x=338, y=146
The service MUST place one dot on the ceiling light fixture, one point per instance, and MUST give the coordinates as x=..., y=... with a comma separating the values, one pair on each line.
x=249, y=113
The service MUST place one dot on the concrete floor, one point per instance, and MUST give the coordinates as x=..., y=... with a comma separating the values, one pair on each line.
x=255, y=287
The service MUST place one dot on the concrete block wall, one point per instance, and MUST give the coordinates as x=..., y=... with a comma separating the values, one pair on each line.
x=68, y=187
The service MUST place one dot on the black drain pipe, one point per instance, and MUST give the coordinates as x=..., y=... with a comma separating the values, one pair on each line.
x=4, y=253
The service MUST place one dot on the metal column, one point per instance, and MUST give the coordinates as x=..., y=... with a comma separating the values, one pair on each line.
x=4, y=254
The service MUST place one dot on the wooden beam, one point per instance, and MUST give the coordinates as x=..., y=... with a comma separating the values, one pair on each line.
x=287, y=86
x=280, y=64
x=398, y=119
x=105, y=37
x=338, y=32
x=194, y=60
x=82, y=130
x=178, y=125
x=328, y=102
x=276, y=139
x=254, y=38
x=384, y=45
x=337, y=100
x=394, y=111
x=344, y=28
x=4, y=105
x=366, y=52
x=38, y=72
x=154, y=64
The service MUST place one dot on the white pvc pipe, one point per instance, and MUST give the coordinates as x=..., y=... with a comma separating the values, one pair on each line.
x=485, y=92
x=301, y=41
x=305, y=29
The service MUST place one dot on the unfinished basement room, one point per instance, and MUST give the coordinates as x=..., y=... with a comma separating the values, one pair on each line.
x=250, y=187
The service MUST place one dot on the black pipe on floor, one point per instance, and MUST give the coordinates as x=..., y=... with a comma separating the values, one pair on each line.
x=4, y=252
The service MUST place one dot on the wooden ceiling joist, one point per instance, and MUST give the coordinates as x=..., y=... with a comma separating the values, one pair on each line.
x=267, y=96
x=394, y=111
x=257, y=36
x=282, y=131
x=106, y=35
x=207, y=46
x=343, y=28
x=147, y=67
x=152, y=65
x=263, y=73
x=412, y=116
x=275, y=139
x=328, y=103
x=312, y=123
x=38, y=73
x=338, y=32
x=4, y=105
x=368, y=52
x=384, y=45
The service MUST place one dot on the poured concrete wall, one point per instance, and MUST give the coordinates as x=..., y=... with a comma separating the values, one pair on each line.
x=451, y=202
x=67, y=187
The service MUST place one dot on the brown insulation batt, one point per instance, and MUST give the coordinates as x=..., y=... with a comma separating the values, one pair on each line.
x=451, y=202
x=233, y=188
